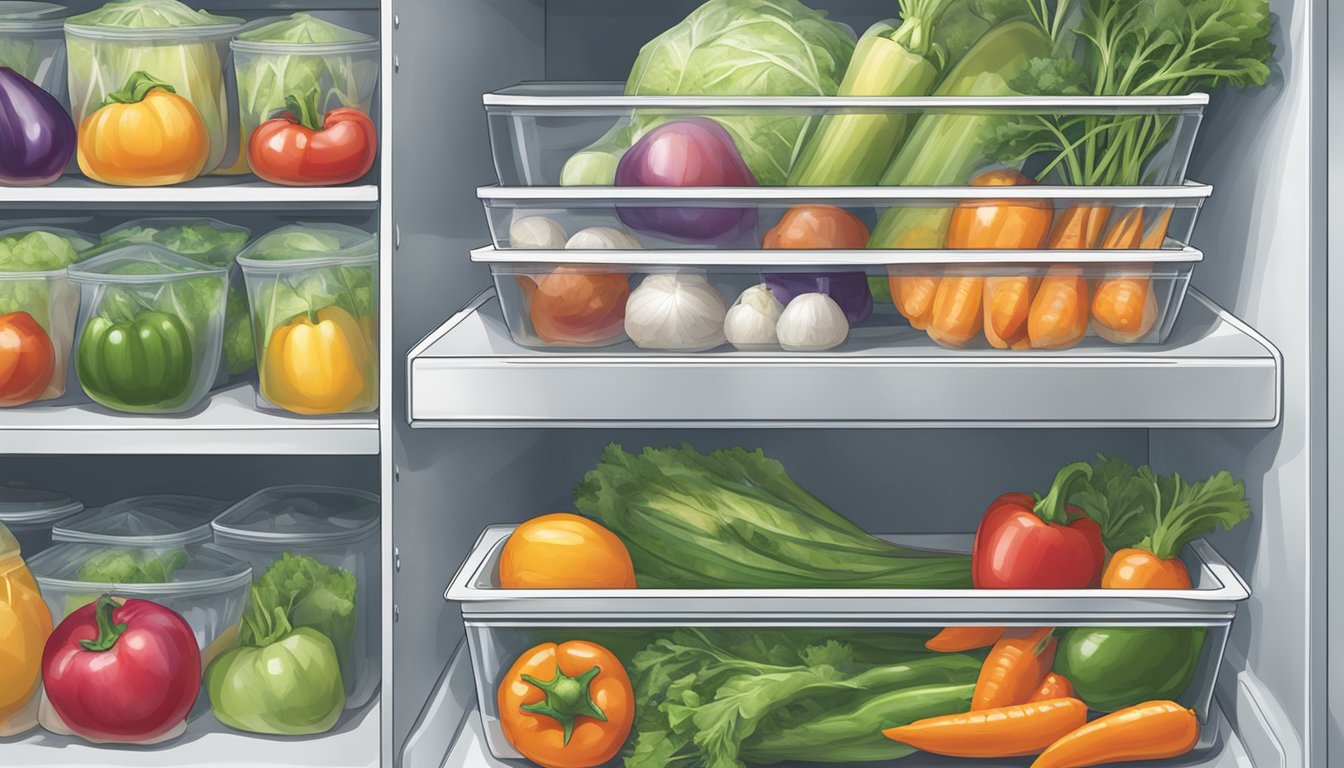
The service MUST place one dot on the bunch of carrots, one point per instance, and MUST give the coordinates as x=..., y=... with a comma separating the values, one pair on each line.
x=1021, y=708
x=1033, y=311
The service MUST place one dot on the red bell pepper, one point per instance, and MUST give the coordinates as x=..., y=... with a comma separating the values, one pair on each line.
x=296, y=150
x=122, y=673
x=1023, y=543
x=27, y=359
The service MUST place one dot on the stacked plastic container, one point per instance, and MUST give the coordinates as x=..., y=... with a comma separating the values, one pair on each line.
x=650, y=224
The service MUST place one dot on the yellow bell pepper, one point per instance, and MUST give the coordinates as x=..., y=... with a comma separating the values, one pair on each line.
x=144, y=136
x=25, y=624
x=319, y=365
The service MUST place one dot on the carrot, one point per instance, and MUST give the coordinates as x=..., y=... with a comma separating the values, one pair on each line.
x=1124, y=308
x=1022, y=729
x=1154, y=239
x=958, y=309
x=1007, y=306
x=1079, y=228
x=1154, y=730
x=1054, y=686
x=958, y=639
x=1058, y=317
x=913, y=296
x=1013, y=669
x=1000, y=224
x=1141, y=569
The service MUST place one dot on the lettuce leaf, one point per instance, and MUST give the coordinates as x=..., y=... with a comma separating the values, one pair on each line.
x=310, y=594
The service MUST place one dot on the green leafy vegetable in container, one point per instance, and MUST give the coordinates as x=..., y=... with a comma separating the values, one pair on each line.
x=313, y=595
x=732, y=48
x=127, y=565
x=38, y=251
x=735, y=519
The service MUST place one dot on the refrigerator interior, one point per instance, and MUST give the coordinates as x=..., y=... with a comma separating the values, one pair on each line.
x=1263, y=234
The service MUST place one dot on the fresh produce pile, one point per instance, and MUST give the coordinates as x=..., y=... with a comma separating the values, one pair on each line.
x=674, y=518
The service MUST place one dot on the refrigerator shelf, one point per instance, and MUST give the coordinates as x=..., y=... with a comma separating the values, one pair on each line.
x=352, y=743
x=237, y=192
x=227, y=422
x=1213, y=371
x=1217, y=591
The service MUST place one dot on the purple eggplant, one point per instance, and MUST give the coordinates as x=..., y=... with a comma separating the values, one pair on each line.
x=848, y=289
x=37, y=136
x=696, y=152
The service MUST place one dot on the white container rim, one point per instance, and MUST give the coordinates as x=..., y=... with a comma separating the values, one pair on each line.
x=833, y=258
x=43, y=515
x=333, y=259
x=165, y=35
x=869, y=195
x=305, y=49
x=226, y=531
x=82, y=273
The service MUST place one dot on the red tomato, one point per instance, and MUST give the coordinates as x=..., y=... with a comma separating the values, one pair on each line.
x=298, y=152
x=573, y=306
x=128, y=672
x=27, y=359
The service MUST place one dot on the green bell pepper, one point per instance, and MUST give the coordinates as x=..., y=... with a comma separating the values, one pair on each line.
x=1116, y=667
x=140, y=362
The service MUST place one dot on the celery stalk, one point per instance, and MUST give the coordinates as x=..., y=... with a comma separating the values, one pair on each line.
x=947, y=148
x=851, y=149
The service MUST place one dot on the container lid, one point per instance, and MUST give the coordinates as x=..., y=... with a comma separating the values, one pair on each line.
x=182, y=570
x=140, y=263
x=302, y=33
x=301, y=513
x=22, y=15
x=161, y=520
x=150, y=14
x=35, y=506
x=211, y=241
x=309, y=245
x=37, y=249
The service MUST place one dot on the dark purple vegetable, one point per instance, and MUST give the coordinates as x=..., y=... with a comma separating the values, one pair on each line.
x=696, y=152
x=37, y=137
x=849, y=289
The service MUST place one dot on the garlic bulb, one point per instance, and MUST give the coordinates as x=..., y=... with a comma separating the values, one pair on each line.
x=602, y=239
x=811, y=323
x=677, y=312
x=536, y=233
x=751, y=320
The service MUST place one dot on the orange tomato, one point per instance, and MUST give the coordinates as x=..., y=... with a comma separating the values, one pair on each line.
x=572, y=306
x=564, y=551
x=817, y=227
x=1141, y=569
x=567, y=706
x=1000, y=224
x=27, y=359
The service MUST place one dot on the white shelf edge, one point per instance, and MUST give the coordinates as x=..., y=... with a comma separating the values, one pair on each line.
x=465, y=389
x=208, y=192
x=229, y=423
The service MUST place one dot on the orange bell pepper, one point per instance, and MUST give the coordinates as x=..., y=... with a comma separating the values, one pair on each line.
x=144, y=136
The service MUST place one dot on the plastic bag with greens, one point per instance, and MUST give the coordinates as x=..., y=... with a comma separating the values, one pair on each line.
x=29, y=250
x=732, y=48
x=211, y=242
x=32, y=43
x=184, y=47
x=306, y=57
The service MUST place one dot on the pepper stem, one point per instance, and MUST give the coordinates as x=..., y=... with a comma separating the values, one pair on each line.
x=1054, y=507
x=108, y=630
x=567, y=699
x=305, y=111
x=137, y=88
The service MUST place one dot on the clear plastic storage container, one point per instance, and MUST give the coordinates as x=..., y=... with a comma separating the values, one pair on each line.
x=1185, y=631
x=766, y=301
x=313, y=289
x=885, y=218
x=184, y=47
x=31, y=513
x=214, y=243
x=150, y=328
x=339, y=528
x=574, y=134
x=206, y=586
x=162, y=520
x=307, y=58
x=33, y=280
x=32, y=43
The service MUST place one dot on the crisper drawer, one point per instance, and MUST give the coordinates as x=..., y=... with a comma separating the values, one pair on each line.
x=650, y=632
x=818, y=301
x=1023, y=217
x=552, y=133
